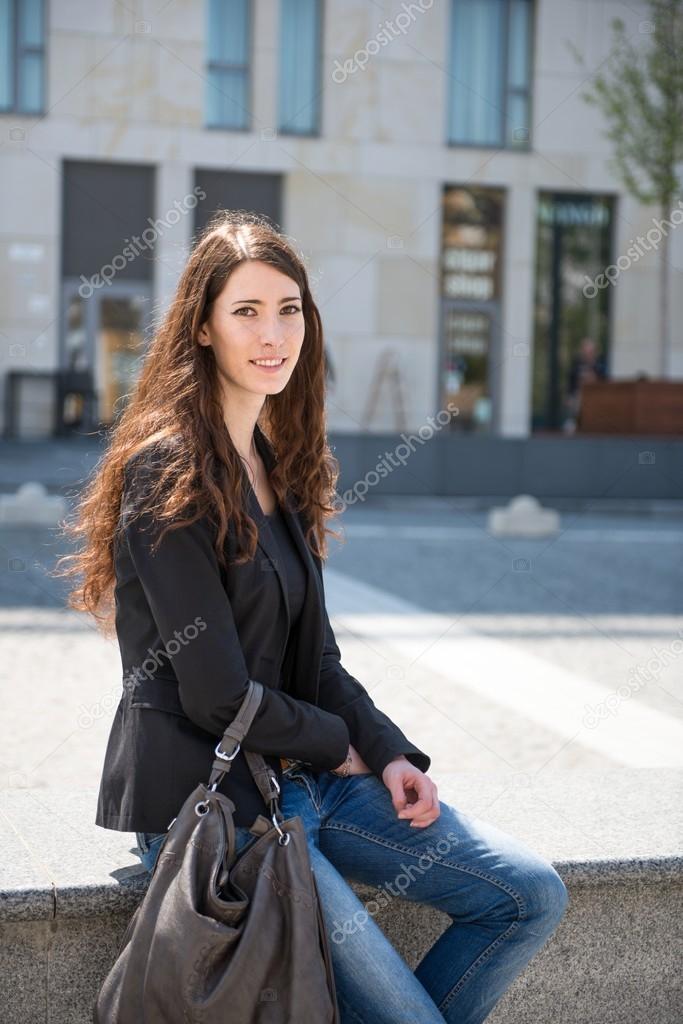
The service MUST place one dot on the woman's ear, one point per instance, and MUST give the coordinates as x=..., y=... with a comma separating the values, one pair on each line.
x=203, y=335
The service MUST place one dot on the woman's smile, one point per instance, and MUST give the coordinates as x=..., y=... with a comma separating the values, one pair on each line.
x=269, y=365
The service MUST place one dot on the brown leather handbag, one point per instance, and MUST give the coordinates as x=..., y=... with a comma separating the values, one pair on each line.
x=224, y=937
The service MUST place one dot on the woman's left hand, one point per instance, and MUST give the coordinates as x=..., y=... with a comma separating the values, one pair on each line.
x=403, y=779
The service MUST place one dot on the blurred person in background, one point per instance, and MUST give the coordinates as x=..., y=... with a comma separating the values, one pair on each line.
x=587, y=365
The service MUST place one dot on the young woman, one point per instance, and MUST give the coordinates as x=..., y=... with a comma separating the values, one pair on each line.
x=205, y=535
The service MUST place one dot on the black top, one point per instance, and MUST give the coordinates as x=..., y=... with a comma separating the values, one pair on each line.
x=294, y=572
x=292, y=566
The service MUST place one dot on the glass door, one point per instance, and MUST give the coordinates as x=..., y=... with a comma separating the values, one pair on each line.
x=103, y=346
x=574, y=241
x=469, y=378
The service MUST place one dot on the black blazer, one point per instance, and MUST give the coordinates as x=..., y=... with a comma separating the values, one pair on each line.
x=191, y=633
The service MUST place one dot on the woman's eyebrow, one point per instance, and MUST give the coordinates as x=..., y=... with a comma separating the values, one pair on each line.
x=259, y=302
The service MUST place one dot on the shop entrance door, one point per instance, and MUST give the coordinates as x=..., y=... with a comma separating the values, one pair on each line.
x=574, y=242
x=103, y=343
x=470, y=341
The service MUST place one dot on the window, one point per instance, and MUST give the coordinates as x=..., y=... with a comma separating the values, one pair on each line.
x=228, y=48
x=471, y=305
x=299, y=70
x=22, y=56
x=490, y=73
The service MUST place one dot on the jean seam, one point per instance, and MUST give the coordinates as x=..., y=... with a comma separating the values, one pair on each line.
x=481, y=959
x=308, y=786
x=341, y=795
x=519, y=900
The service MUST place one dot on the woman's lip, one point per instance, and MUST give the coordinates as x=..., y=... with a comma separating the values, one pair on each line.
x=283, y=359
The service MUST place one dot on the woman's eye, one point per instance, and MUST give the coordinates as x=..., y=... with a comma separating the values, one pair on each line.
x=292, y=307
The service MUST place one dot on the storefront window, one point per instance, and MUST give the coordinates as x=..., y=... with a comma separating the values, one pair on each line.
x=471, y=296
x=104, y=344
x=121, y=346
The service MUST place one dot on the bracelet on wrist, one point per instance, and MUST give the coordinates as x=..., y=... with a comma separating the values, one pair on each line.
x=345, y=768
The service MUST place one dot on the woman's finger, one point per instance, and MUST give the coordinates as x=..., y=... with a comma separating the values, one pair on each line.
x=425, y=789
x=426, y=819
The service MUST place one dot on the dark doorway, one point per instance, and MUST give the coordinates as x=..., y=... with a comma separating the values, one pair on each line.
x=574, y=244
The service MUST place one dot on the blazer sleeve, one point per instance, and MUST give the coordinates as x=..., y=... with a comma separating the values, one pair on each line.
x=377, y=739
x=183, y=586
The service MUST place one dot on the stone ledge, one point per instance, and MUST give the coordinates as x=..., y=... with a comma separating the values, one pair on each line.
x=68, y=888
x=610, y=829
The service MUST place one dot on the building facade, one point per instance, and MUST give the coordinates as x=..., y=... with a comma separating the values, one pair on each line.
x=438, y=167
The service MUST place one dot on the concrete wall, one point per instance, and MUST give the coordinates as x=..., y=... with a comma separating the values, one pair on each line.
x=605, y=468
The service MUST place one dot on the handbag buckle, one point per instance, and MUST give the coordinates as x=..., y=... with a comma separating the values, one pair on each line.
x=226, y=757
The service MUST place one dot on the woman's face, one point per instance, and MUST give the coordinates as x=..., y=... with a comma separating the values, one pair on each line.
x=258, y=315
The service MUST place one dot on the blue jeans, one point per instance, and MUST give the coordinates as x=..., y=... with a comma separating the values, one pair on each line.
x=504, y=901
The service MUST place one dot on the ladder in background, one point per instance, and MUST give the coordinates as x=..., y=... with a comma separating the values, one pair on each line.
x=387, y=368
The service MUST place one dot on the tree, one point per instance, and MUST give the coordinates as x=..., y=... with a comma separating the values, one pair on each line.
x=641, y=97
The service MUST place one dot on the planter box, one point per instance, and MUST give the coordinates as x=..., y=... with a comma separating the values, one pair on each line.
x=632, y=407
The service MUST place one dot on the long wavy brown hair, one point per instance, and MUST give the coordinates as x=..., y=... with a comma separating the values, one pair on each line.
x=177, y=397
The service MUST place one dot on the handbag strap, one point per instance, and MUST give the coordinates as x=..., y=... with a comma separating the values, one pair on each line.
x=230, y=744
